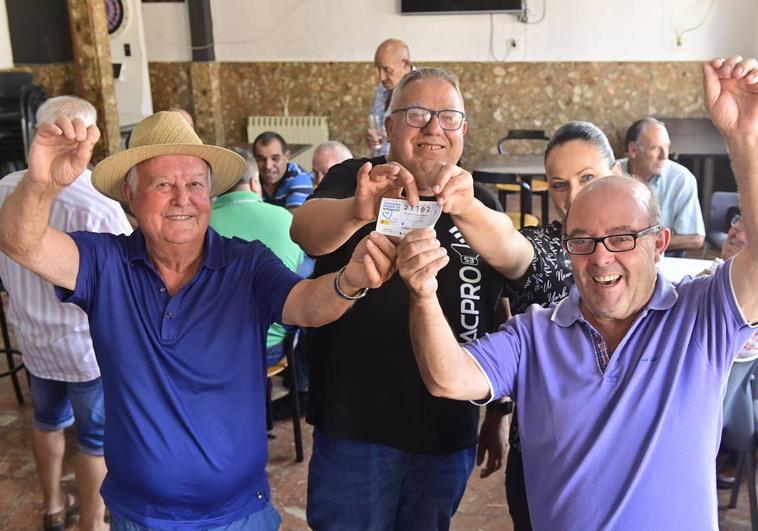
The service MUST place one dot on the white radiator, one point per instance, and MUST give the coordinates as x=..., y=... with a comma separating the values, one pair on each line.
x=312, y=130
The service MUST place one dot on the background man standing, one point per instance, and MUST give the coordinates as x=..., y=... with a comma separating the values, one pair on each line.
x=65, y=383
x=392, y=61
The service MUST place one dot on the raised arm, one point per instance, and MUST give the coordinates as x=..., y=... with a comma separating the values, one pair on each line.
x=316, y=302
x=731, y=97
x=58, y=155
x=447, y=370
x=488, y=232
x=320, y=226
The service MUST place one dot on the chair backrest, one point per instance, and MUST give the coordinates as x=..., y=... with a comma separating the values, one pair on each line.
x=739, y=406
x=521, y=134
x=718, y=224
x=525, y=192
x=12, y=82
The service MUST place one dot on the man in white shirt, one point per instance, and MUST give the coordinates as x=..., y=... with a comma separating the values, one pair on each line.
x=647, y=145
x=54, y=338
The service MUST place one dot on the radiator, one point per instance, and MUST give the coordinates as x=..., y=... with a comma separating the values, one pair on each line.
x=312, y=130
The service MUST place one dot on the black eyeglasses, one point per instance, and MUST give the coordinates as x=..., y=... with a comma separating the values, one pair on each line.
x=420, y=117
x=615, y=243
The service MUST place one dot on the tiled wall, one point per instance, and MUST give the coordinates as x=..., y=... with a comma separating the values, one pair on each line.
x=498, y=96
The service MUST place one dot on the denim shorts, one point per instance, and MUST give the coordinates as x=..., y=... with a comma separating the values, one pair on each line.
x=58, y=404
x=267, y=519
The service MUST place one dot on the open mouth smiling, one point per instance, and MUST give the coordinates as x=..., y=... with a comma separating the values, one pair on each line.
x=606, y=280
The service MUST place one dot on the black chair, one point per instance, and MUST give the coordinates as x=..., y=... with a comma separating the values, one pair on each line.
x=522, y=218
x=288, y=361
x=12, y=115
x=10, y=352
x=739, y=431
x=718, y=225
x=538, y=187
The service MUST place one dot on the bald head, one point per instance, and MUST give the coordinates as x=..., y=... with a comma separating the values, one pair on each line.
x=633, y=196
x=392, y=61
x=327, y=155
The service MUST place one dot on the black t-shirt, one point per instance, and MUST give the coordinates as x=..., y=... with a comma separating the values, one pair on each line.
x=364, y=383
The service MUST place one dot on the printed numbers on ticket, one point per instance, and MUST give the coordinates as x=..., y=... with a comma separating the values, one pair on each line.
x=397, y=217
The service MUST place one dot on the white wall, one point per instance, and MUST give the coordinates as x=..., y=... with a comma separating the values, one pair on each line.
x=167, y=33
x=349, y=30
x=6, y=53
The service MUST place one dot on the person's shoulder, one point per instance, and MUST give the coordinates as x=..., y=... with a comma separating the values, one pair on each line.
x=487, y=197
x=341, y=179
x=674, y=170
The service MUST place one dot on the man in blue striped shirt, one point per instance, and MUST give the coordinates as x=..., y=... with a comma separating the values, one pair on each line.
x=284, y=183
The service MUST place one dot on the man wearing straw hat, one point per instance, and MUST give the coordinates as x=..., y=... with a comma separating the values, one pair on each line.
x=178, y=317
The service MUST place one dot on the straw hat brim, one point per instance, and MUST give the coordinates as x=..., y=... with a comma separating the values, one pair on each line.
x=226, y=166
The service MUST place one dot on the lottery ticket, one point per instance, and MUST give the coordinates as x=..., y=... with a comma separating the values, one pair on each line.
x=397, y=217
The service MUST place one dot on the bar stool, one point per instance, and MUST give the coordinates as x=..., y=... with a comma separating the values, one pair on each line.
x=10, y=352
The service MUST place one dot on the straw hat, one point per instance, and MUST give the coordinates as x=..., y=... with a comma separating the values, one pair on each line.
x=166, y=133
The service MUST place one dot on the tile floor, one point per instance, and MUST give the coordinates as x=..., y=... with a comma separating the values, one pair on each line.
x=483, y=507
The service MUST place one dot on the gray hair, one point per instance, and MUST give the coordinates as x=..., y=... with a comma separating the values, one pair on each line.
x=635, y=130
x=69, y=106
x=425, y=73
x=132, y=177
x=336, y=147
x=251, y=168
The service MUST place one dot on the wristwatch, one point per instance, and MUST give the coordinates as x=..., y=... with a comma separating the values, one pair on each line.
x=505, y=408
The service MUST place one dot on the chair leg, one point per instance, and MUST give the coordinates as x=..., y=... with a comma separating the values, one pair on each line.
x=295, y=402
x=545, y=205
x=269, y=416
x=12, y=368
x=737, y=480
x=751, y=488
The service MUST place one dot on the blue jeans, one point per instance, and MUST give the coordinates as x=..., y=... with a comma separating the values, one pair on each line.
x=57, y=405
x=267, y=519
x=355, y=485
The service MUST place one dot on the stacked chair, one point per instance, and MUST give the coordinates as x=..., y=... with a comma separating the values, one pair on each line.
x=19, y=101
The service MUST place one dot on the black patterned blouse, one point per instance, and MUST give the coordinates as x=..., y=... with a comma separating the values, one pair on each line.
x=548, y=280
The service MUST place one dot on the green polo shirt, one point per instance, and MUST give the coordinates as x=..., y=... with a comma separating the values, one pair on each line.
x=246, y=216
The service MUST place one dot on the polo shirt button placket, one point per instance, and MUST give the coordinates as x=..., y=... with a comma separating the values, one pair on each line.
x=163, y=289
x=259, y=495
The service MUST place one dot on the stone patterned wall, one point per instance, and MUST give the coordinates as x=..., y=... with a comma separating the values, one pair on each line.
x=498, y=96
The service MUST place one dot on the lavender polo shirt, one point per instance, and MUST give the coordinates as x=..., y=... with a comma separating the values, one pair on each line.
x=633, y=447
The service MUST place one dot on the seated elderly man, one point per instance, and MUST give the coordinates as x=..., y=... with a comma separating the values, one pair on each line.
x=284, y=183
x=647, y=145
x=619, y=385
x=178, y=316
x=240, y=212
x=327, y=155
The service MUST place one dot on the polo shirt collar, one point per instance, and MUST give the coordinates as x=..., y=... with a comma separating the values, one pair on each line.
x=233, y=197
x=567, y=312
x=213, y=249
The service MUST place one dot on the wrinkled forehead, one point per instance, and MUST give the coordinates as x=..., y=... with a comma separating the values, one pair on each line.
x=434, y=93
x=606, y=205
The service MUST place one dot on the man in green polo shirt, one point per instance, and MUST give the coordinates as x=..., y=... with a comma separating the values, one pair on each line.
x=241, y=212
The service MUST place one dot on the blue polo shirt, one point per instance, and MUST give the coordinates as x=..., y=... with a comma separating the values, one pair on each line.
x=293, y=189
x=631, y=447
x=184, y=377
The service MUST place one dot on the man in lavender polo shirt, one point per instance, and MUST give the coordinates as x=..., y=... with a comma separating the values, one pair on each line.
x=619, y=386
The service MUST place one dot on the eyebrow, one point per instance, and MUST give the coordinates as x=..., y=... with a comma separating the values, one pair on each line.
x=582, y=233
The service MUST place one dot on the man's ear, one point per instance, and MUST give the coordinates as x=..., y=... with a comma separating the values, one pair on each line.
x=616, y=168
x=127, y=191
x=662, y=240
x=631, y=150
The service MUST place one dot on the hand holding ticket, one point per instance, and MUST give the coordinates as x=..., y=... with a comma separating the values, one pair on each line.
x=397, y=217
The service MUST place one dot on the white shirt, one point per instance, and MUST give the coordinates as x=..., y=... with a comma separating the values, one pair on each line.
x=54, y=337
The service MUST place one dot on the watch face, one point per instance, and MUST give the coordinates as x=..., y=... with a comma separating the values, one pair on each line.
x=114, y=11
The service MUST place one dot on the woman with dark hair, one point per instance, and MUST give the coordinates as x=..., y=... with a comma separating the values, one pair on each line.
x=538, y=272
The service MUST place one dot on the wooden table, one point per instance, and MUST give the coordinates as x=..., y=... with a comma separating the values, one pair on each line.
x=699, y=139
x=512, y=167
